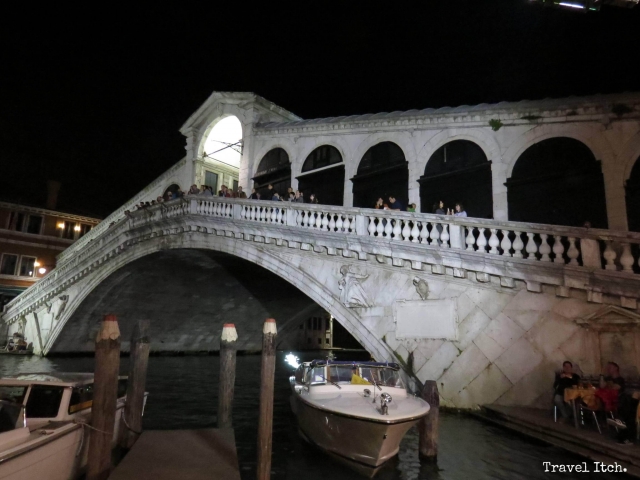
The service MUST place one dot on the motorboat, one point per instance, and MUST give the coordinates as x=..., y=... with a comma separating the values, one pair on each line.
x=17, y=345
x=358, y=412
x=44, y=422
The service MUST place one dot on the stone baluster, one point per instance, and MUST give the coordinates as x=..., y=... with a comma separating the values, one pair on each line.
x=470, y=240
x=558, y=249
x=482, y=240
x=545, y=248
x=279, y=216
x=397, y=231
x=339, y=223
x=388, y=228
x=253, y=213
x=517, y=245
x=573, y=252
x=325, y=222
x=406, y=232
x=610, y=256
x=319, y=221
x=444, y=236
x=243, y=212
x=626, y=259
x=372, y=226
x=346, y=225
x=380, y=227
x=274, y=215
x=532, y=248
x=424, y=233
x=494, y=242
x=415, y=232
x=506, y=243
x=434, y=235
x=332, y=222
x=263, y=213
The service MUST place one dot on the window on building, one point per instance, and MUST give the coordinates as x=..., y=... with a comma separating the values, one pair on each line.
x=211, y=179
x=68, y=230
x=27, y=266
x=34, y=224
x=84, y=229
x=16, y=221
x=8, y=264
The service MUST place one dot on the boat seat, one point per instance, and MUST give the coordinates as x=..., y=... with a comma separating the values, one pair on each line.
x=14, y=437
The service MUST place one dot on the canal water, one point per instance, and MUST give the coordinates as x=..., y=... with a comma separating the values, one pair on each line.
x=183, y=394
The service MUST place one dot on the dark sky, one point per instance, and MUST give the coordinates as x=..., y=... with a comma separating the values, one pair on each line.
x=95, y=97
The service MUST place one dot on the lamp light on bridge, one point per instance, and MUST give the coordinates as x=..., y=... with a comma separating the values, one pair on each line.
x=36, y=264
x=77, y=228
x=42, y=270
x=60, y=225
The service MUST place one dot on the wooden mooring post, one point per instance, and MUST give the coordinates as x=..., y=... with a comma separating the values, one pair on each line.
x=131, y=427
x=103, y=411
x=428, y=426
x=267, y=376
x=227, y=375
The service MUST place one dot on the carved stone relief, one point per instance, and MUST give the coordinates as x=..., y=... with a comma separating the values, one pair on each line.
x=422, y=287
x=352, y=294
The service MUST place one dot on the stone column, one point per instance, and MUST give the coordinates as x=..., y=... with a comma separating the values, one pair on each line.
x=193, y=137
x=499, y=189
x=414, y=186
x=615, y=195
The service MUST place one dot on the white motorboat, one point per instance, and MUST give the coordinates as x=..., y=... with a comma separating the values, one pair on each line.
x=43, y=424
x=358, y=412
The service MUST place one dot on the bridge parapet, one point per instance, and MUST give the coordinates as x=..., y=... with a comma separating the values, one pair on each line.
x=604, y=263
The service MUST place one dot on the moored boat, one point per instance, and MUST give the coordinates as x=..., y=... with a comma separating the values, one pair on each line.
x=44, y=422
x=358, y=412
x=17, y=345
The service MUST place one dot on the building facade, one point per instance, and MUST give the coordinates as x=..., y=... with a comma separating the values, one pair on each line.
x=30, y=240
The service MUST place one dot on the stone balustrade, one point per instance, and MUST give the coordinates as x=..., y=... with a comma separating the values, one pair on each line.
x=489, y=247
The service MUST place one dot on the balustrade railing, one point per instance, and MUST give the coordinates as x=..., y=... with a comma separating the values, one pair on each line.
x=579, y=247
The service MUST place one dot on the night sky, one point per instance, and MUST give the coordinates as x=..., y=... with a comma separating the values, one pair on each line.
x=95, y=97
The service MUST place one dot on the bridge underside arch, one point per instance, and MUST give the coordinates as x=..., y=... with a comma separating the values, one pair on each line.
x=171, y=278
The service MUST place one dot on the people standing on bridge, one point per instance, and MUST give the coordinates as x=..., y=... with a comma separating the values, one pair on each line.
x=194, y=190
x=411, y=208
x=438, y=208
x=206, y=191
x=395, y=204
x=254, y=195
x=380, y=205
x=460, y=212
x=160, y=199
x=298, y=197
x=269, y=193
x=291, y=197
x=241, y=193
x=313, y=199
x=275, y=197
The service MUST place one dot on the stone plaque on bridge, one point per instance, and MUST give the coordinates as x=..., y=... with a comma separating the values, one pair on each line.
x=426, y=319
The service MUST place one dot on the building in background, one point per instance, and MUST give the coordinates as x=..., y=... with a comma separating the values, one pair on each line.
x=30, y=240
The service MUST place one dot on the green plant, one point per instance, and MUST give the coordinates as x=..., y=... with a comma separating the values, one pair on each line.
x=495, y=124
x=620, y=109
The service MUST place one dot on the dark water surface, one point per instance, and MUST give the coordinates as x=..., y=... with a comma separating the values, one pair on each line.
x=183, y=394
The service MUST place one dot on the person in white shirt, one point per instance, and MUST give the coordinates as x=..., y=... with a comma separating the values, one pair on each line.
x=460, y=212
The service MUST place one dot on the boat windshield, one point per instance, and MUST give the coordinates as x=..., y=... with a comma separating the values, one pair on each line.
x=9, y=415
x=44, y=401
x=13, y=393
x=387, y=377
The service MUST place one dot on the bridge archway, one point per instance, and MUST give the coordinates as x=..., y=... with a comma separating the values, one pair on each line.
x=557, y=181
x=458, y=171
x=274, y=169
x=382, y=171
x=314, y=289
x=323, y=174
x=221, y=152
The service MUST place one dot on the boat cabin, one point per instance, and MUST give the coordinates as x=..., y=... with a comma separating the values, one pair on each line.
x=322, y=372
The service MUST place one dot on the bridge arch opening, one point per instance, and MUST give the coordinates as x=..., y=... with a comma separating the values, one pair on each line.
x=171, y=189
x=632, y=191
x=222, y=153
x=383, y=171
x=323, y=176
x=458, y=171
x=188, y=294
x=557, y=181
x=274, y=169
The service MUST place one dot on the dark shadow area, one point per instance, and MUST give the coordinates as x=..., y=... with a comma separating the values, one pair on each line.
x=274, y=169
x=383, y=171
x=458, y=172
x=188, y=295
x=557, y=181
x=326, y=185
x=633, y=198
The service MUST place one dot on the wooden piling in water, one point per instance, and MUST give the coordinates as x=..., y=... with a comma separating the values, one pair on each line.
x=103, y=411
x=267, y=376
x=131, y=427
x=227, y=375
x=428, y=425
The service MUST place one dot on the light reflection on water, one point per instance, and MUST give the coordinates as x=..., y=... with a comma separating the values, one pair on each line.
x=183, y=394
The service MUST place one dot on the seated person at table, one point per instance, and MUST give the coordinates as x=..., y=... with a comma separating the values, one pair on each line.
x=611, y=385
x=627, y=406
x=565, y=379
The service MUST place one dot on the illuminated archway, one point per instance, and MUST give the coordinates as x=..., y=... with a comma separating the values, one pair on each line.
x=222, y=152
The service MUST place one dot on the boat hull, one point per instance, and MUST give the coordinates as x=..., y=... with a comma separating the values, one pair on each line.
x=59, y=455
x=362, y=444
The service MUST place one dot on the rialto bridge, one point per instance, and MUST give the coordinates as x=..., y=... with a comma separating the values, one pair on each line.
x=489, y=307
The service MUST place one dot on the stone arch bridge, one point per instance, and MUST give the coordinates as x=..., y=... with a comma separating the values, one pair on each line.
x=487, y=308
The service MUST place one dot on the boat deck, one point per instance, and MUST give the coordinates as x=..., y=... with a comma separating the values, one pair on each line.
x=184, y=454
x=586, y=442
